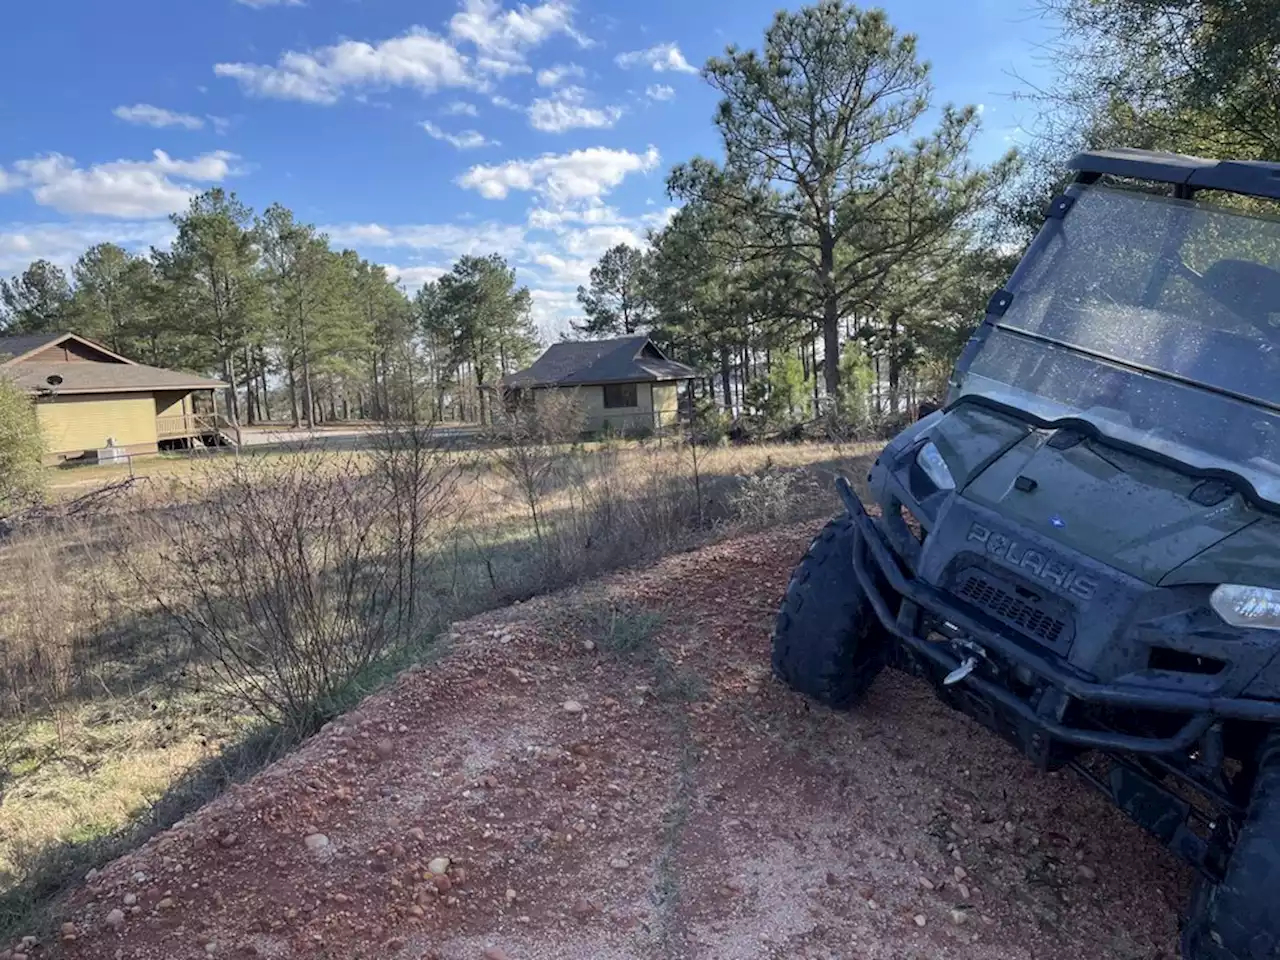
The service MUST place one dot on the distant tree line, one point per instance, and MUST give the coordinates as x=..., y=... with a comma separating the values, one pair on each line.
x=305, y=333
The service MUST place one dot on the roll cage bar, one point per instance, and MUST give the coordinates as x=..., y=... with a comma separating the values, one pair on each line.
x=1254, y=178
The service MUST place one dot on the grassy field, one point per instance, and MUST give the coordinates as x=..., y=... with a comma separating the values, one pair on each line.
x=115, y=717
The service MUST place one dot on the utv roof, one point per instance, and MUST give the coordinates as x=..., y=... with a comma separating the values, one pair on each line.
x=1253, y=177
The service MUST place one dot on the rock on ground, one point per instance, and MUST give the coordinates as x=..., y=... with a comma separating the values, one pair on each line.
x=748, y=822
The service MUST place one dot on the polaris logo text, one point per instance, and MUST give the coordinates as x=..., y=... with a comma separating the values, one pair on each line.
x=1023, y=558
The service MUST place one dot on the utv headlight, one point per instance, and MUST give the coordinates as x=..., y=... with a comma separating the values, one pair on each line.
x=935, y=468
x=1242, y=606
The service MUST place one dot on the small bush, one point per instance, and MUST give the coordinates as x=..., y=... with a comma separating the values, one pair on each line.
x=21, y=451
x=530, y=447
x=623, y=633
x=771, y=496
x=853, y=401
x=710, y=426
x=782, y=399
x=298, y=577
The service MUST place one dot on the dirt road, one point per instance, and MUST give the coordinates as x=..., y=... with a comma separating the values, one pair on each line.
x=608, y=785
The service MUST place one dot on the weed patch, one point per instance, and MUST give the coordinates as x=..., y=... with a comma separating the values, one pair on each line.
x=175, y=640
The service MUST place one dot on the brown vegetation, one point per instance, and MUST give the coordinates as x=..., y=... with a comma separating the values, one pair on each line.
x=173, y=637
x=609, y=773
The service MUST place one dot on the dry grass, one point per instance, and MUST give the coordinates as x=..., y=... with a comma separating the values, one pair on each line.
x=114, y=719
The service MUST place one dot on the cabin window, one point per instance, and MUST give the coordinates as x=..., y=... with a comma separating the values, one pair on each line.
x=620, y=395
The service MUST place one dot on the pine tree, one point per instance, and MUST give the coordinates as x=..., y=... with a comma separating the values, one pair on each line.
x=616, y=302
x=38, y=301
x=811, y=126
x=212, y=273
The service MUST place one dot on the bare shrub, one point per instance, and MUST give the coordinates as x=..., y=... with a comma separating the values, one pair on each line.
x=37, y=621
x=621, y=506
x=296, y=576
x=530, y=448
x=421, y=484
x=771, y=496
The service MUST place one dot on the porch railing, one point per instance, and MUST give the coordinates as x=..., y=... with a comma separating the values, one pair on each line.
x=178, y=426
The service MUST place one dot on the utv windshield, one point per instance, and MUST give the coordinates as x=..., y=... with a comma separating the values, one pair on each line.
x=1157, y=321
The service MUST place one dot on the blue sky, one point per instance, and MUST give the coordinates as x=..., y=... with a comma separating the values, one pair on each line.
x=411, y=130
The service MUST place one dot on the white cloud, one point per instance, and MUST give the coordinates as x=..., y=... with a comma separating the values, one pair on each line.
x=560, y=178
x=659, y=91
x=133, y=189
x=499, y=100
x=460, y=108
x=554, y=76
x=663, y=57
x=414, y=277
x=659, y=220
x=146, y=115
x=565, y=272
x=62, y=243
x=551, y=310
x=220, y=124
x=450, y=239
x=466, y=140
x=504, y=36
x=502, y=68
x=593, y=211
x=8, y=181
x=418, y=59
x=567, y=110
x=591, y=242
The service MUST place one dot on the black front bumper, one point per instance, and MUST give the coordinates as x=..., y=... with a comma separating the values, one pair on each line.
x=880, y=575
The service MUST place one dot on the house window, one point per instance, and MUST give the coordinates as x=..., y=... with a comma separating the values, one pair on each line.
x=620, y=395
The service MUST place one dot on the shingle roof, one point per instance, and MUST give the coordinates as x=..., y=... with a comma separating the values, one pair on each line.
x=115, y=375
x=104, y=378
x=19, y=344
x=579, y=362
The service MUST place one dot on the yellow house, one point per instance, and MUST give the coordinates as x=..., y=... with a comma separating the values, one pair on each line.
x=625, y=384
x=89, y=398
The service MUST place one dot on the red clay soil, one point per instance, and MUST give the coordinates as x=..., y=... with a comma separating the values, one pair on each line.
x=668, y=802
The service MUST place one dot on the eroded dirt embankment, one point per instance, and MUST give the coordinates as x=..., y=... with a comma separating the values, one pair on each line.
x=667, y=801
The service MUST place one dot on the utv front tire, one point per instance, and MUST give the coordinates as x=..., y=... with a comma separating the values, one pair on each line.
x=1238, y=918
x=827, y=642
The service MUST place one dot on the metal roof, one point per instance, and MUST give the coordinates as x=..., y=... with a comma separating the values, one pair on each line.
x=1253, y=177
x=582, y=362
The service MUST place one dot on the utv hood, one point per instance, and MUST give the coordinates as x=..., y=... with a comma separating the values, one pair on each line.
x=1122, y=510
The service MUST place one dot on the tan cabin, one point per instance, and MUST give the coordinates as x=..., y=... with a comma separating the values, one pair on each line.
x=625, y=385
x=89, y=398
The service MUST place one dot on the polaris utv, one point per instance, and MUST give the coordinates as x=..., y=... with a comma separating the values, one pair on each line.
x=1081, y=549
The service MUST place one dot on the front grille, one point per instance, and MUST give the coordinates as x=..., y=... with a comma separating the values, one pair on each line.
x=1007, y=607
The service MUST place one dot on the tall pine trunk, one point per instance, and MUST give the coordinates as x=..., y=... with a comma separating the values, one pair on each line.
x=830, y=313
x=308, y=394
x=293, y=393
x=229, y=375
x=250, y=389
x=263, y=391
x=895, y=366
x=725, y=379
